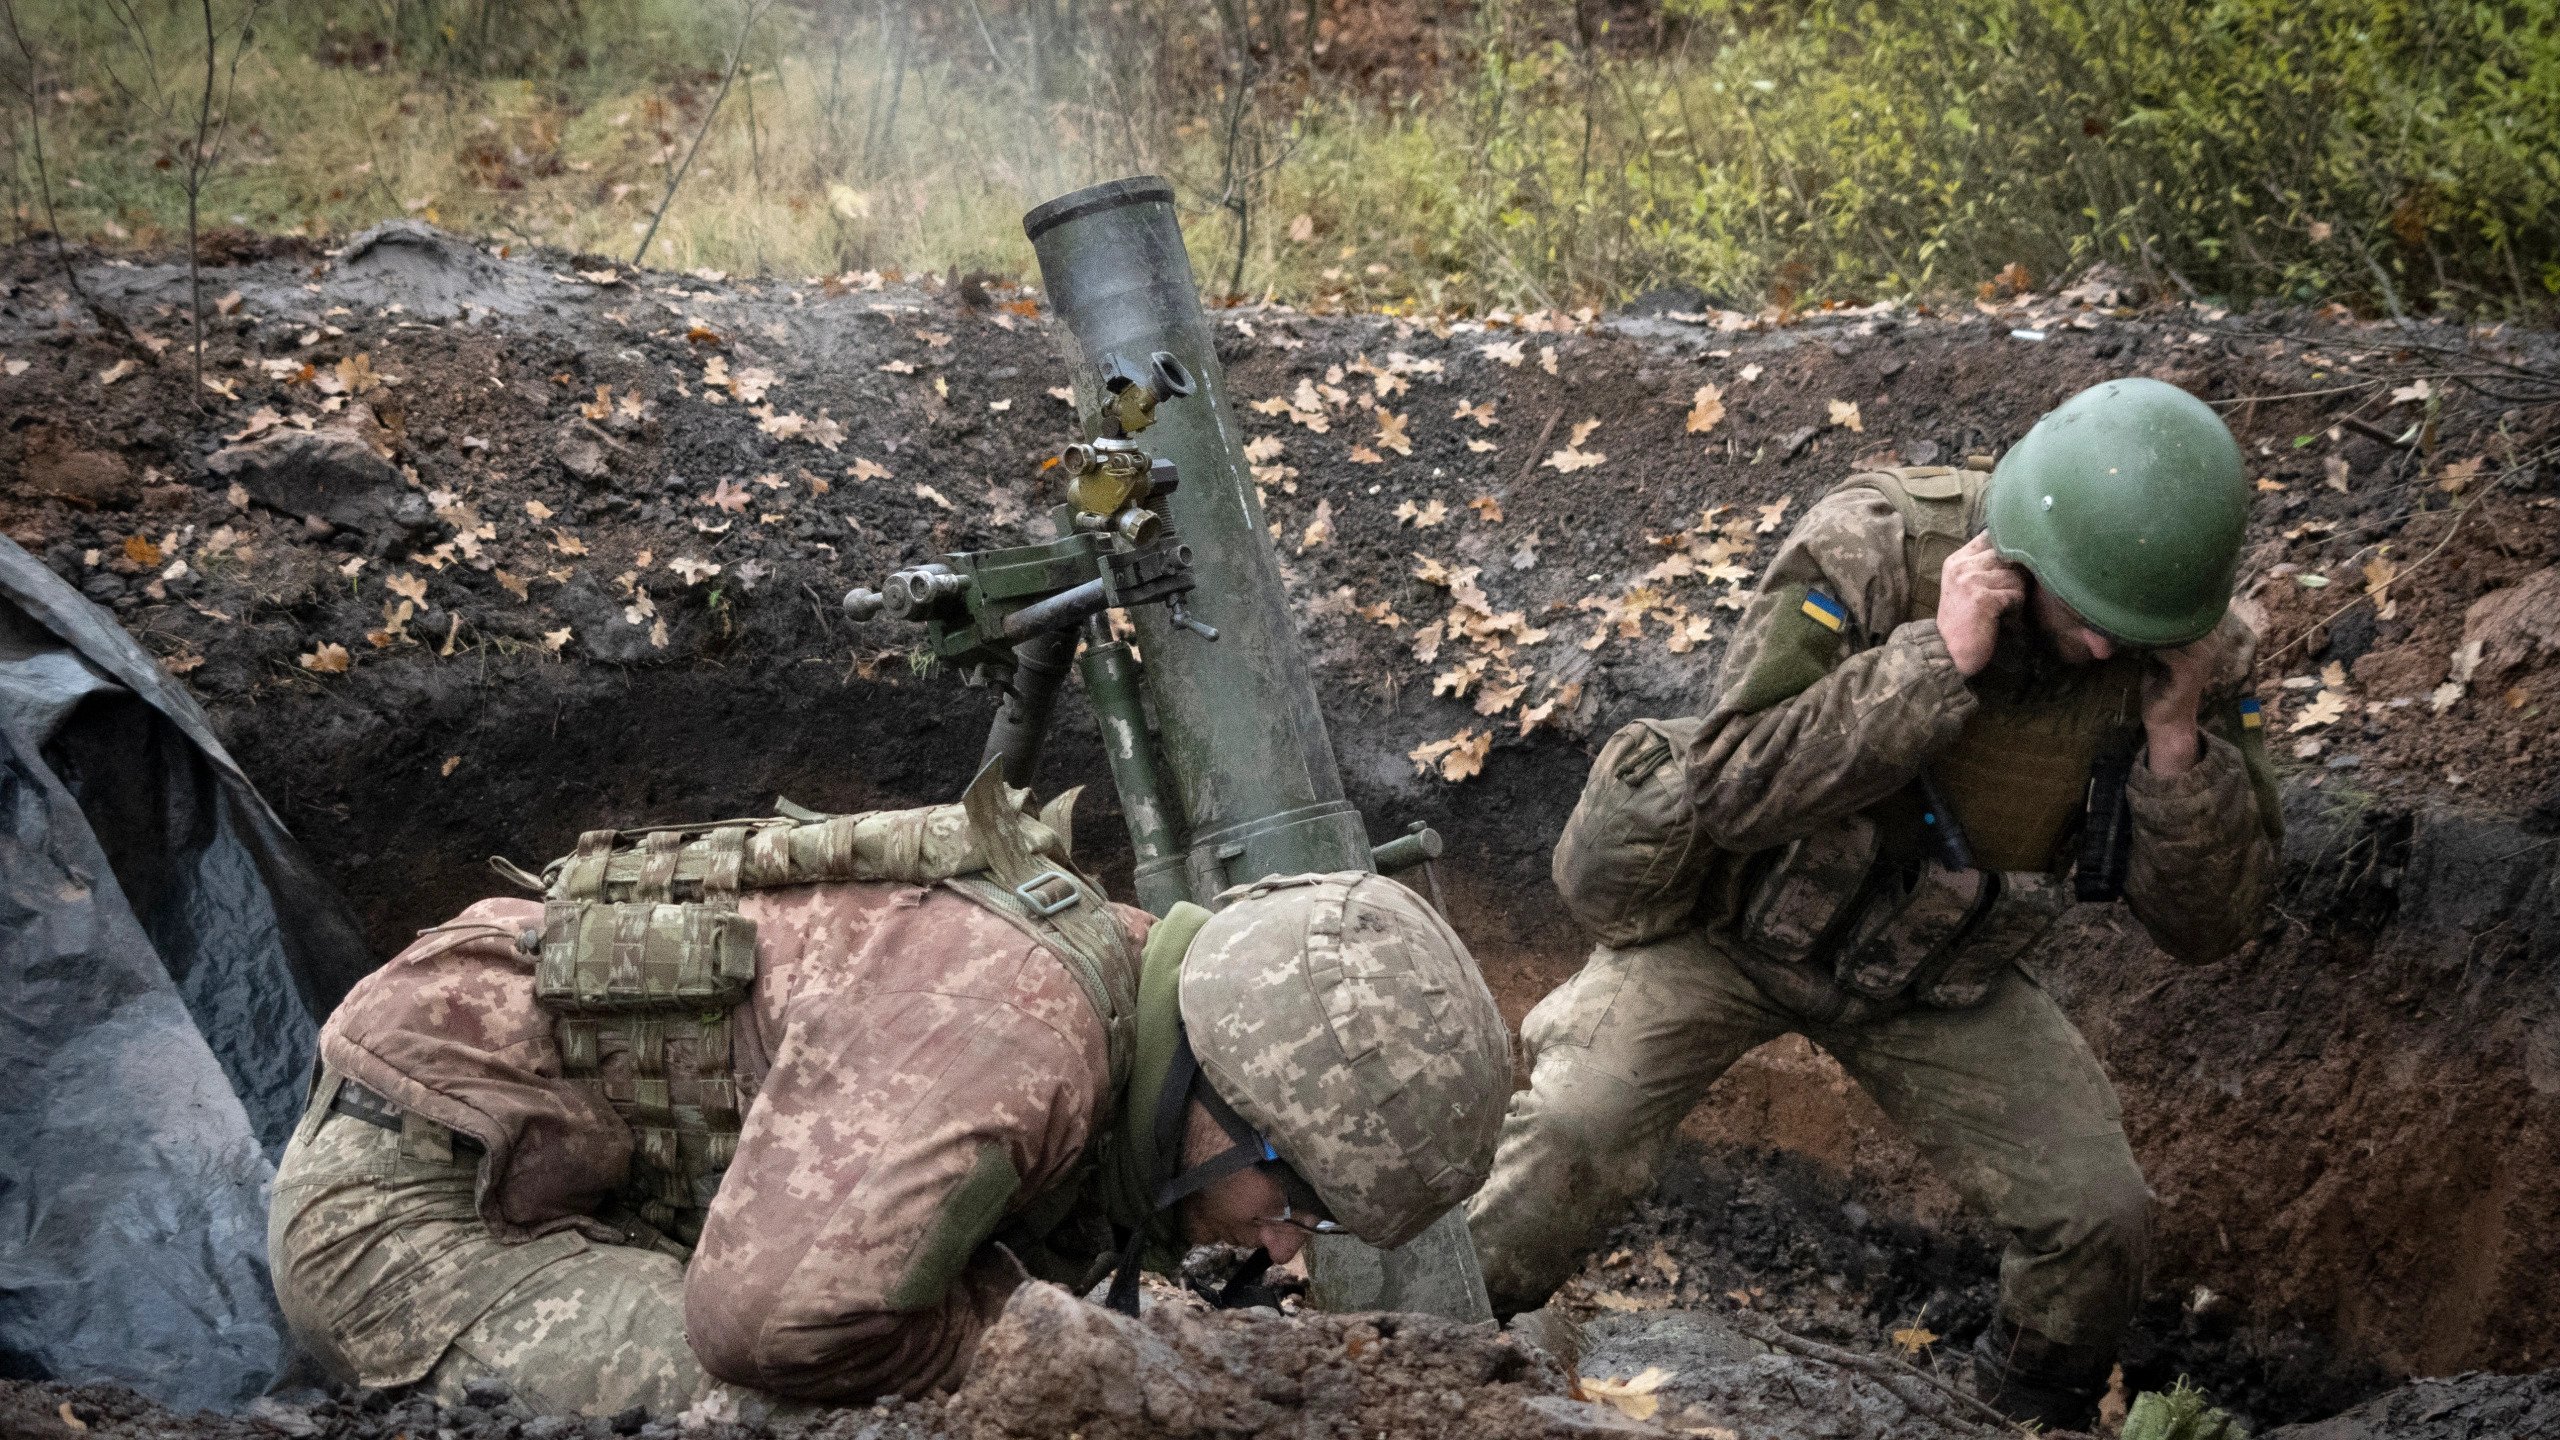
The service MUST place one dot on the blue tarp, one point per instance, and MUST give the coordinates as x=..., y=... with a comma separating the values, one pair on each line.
x=164, y=946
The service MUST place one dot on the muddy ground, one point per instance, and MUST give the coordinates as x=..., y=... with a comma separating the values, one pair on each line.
x=434, y=546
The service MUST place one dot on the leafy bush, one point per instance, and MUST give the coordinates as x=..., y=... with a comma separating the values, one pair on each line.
x=2396, y=153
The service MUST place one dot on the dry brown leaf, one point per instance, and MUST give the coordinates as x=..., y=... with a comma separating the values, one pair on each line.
x=1705, y=409
x=1482, y=447
x=692, y=571
x=511, y=585
x=1772, y=515
x=567, y=544
x=1509, y=352
x=70, y=1421
x=927, y=492
x=1264, y=449
x=1431, y=514
x=2444, y=696
x=1537, y=715
x=1488, y=509
x=2336, y=467
x=227, y=304
x=2325, y=708
x=900, y=367
x=1844, y=413
x=1582, y=431
x=1565, y=462
x=140, y=550
x=2458, y=476
x=2334, y=675
x=1914, y=1338
x=552, y=640
x=537, y=510
x=728, y=495
x=329, y=659
x=1456, y=681
x=407, y=586
x=118, y=371
x=1363, y=455
x=1460, y=757
x=1752, y=372
x=1634, y=1398
x=1547, y=358
x=1481, y=414
x=2415, y=392
x=1391, y=433
x=868, y=470
x=1319, y=530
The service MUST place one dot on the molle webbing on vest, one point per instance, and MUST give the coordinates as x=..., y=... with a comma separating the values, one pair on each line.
x=630, y=963
x=645, y=954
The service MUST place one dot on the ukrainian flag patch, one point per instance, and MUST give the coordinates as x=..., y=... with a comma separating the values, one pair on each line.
x=2250, y=718
x=1826, y=612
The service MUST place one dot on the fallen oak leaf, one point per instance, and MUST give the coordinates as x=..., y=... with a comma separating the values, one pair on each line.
x=1581, y=432
x=1488, y=509
x=867, y=470
x=118, y=371
x=728, y=495
x=1319, y=530
x=1772, y=514
x=693, y=571
x=329, y=659
x=927, y=492
x=1844, y=413
x=1705, y=409
x=408, y=586
x=1391, y=433
x=2325, y=708
x=1565, y=462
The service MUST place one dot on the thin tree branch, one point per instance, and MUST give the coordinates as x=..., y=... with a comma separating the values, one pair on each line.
x=754, y=12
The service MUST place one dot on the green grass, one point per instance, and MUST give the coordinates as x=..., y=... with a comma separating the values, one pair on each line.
x=2392, y=153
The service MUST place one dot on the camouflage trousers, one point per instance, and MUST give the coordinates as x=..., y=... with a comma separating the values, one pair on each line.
x=388, y=1276
x=2004, y=1098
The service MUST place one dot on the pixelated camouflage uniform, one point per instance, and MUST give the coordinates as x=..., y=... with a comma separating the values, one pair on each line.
x=932, y=1114
x=921, y=1071
x=1818, y=730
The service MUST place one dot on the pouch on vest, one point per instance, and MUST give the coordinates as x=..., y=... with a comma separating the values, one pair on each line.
x=1632, y=855
x=1819, y=887
x=645, y=954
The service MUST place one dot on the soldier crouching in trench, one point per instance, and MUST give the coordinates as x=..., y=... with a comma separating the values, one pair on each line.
x=791, y=1106
x=1957, y=703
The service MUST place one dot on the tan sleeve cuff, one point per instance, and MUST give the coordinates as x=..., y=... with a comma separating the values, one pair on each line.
x=1936, y=670
x=2181, y=803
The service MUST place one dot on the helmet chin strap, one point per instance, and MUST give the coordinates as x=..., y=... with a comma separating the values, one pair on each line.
x=1183, y=1083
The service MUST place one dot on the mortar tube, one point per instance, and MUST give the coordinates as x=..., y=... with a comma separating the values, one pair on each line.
x=1242, y=738
x=1022, y=720
x=1109, y=669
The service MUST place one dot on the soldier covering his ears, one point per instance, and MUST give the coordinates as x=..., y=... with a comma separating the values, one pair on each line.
x=791, y=1105
x=1957, y=703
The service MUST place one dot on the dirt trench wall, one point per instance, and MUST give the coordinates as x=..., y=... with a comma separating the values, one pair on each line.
x=2350, y=1126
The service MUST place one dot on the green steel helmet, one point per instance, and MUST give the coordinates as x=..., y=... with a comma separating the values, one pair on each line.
x=2128, y=502
x=1344, y=1019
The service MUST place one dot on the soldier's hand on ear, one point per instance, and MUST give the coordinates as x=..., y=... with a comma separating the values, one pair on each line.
x=1974, y=588
x=2172, y=692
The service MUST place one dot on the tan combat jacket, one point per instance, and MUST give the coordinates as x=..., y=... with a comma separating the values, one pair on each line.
x=916, y=1071
x=1806, y=735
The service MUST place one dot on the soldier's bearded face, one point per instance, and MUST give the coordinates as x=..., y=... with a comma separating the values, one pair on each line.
x=2075, y=640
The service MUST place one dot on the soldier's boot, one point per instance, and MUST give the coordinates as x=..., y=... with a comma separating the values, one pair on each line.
x=2034, y=1380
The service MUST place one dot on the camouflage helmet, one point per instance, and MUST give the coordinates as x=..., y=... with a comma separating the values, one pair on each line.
x=1344, y=1019
x=2127, y=501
